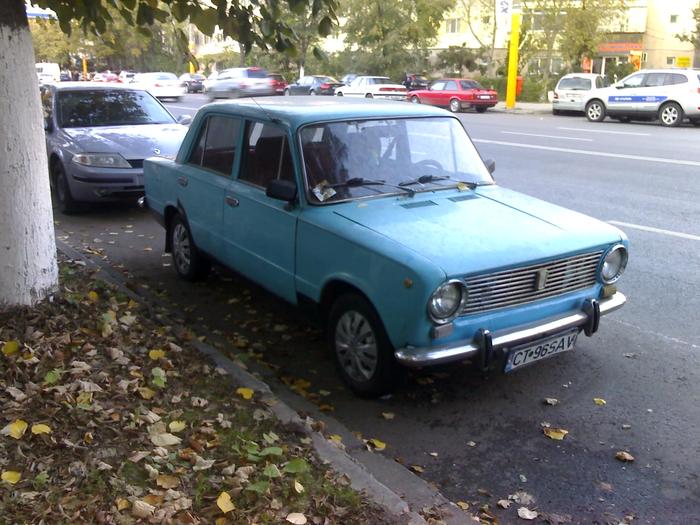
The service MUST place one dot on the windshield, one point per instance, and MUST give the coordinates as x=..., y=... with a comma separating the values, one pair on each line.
x=84, y=108
x=392, y=151
x=575, y=83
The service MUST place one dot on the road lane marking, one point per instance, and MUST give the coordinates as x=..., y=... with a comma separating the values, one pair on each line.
x=607, y=131
x=591, y=153
x=656, y=230
x=545, y=136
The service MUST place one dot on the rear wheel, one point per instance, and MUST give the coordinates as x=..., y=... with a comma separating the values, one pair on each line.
x=189, y=263
x=455, y=106
x=64, y=198
x=671, y=115
x=481, y=109
x=286, y=92
x=339, y=94
x=369, y=95
x=312, y=93
x=362, y=350
x=595, y=111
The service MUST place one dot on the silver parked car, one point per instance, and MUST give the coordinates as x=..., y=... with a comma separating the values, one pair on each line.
x=241, y=82
x=97, y=137
x=573, y=89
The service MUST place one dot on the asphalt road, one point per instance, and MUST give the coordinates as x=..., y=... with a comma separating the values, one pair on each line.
x=479, y=439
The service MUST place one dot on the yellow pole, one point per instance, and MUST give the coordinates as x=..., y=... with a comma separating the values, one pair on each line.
x=85, y=69
x=513, y=60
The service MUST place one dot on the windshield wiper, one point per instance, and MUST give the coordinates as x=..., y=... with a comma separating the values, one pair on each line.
x=432, y=178
x=359, y=181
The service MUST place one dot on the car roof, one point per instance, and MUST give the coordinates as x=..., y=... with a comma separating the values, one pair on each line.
x=580, y=75
x=298, y=111
x=91, y=86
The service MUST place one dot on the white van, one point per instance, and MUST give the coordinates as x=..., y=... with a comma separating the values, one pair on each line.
x=572, y=91
x=48, y=71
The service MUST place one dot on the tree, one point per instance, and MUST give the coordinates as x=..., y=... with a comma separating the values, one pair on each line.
x=486, y=11
x=457, y=58
x=28, y=269
x=694, y=36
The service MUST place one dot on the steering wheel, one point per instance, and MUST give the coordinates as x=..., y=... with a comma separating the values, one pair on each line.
x=430, y=164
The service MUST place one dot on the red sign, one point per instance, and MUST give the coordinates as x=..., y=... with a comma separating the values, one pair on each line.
x=619, y=47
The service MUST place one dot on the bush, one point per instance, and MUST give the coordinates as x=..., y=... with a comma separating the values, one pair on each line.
x=533, y=88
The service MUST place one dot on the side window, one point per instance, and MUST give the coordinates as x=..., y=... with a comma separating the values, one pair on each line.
x=655, y=79
x=267, y=155
x=451, y=86
x=306, y=81
x=599, y=82
x=221, y=143
x=198, y=150
x=438, y=86
x=675, y=78
x=633, y=81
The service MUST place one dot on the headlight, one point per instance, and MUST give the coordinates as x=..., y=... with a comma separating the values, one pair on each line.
x=101, y=160
x=614, y=264
x=446, y=301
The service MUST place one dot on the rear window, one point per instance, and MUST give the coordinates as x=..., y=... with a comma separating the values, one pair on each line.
x=256, y=72
x=470, y=84
x=675, y=78
x=575, y=83
x=379, y=80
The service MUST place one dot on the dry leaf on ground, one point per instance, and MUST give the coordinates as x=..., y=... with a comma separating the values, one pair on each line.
x=527, y=514
x=624, y=456
x=224, y=502
x=296, y=518
x=555, y=433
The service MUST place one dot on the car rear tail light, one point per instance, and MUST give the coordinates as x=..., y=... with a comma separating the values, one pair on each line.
x=325, y=85
x=157, y=85
x=556, y=95
x=392, y=89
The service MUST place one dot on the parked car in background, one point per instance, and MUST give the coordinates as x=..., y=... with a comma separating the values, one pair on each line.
x=313, y=85
x=278, y=83
x=573, y=89
x=241, y=82
x=126, y=76
x=209, y=81
x=385, y=217
x=348, y=78
x=457, y=94
x=373, y=87
x=106, y=77
x=414, y=82
x=161, y=85
x=193, y=82
x=97, y=136
x=48, y=71
x=669, y=95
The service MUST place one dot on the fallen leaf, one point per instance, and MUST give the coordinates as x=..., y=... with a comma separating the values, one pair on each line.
x=271, y=471
x=122, y=504
x=417, y=468
x=388, y=415
x=177, y=426
x=10, y=348
x=156, y=354
x=296, y=466
x=245, y=393
x=522, y=497
x=41, y=429
x=551, y=401
x=336, y=438
x=599, y=401
x=296, y=518
x=463, y=505
x=165, y=439
x=377, y=444
x=555, y=433
x=92, y=296
x=141, y=509
x=504, y=503
x=167, y=482
x=146, y=393
x=11, y=476
x=527, y=514
x=16, y=429
x=224, y=502
x=626, y=426
x=624, y=456
x=471, y=444
x=202, y=464
x=16, y=393
x=298, y=487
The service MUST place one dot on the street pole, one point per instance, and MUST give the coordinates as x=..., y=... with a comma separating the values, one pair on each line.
x=85, y=77
x=513, y=60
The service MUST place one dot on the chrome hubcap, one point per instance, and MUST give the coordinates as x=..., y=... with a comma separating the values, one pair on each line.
x=454, y=106
x=594, y=112
x=414, y=100
x=181, y=248
x=356, y=346
x=669, y=115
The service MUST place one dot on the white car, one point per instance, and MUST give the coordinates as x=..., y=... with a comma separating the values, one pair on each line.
x=572, y=90
x=161, y=85
x=210, y=80
x=373, y=87
x=669, y=95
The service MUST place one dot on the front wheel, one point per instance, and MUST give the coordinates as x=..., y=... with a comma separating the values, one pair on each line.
x=369, y=95
x=454, y=105
x=189, y=263
x=595, y=111
x=339, y=94
x=415, y=99
x=362, y=350
x=286, y=92
x=671, y=115
x=312, y=93
x=64, y=197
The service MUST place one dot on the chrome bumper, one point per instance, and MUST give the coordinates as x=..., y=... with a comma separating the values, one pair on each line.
x=485, y=342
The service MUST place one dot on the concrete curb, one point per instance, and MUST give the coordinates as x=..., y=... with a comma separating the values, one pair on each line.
x=387, y=483
x=524, y=108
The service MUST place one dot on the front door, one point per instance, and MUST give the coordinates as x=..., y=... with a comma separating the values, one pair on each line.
x=624, y=97
x=202, y=180
x=433, y=94
x=260, y=231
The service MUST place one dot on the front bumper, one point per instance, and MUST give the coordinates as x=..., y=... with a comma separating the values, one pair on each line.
x=486, y=343
x=91, y=184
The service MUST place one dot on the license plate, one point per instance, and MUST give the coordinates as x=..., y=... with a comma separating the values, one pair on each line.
x=485, y=96
x=525, y=355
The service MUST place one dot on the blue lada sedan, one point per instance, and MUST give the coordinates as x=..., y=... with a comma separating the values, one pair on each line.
x=385, y=216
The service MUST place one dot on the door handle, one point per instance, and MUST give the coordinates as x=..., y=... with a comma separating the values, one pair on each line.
x=182, y=181
x=232, y=201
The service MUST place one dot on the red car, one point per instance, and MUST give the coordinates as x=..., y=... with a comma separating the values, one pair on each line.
x=278, y=83
x=457, y=94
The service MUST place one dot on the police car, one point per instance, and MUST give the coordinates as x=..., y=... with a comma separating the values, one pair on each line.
x=670, y=95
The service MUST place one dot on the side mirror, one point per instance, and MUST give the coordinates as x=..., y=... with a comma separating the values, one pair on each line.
x=185, y=120
x=490, y=165
x=48, y=125
x=282, y=190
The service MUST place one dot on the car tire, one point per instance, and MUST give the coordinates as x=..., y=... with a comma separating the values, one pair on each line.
x=369, y=95
x=64, y=198
x=556, y=111
x=455, y=106
x=481, y=109
x=361, y=348
x=415, y=99
x=595, y=111
x=286, y=92
x=339, y=94
x=671, y=115
x=312, y=93
x=188, y=261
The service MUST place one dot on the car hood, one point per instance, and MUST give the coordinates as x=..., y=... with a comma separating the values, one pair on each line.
x=132, y=142
x=485, y=230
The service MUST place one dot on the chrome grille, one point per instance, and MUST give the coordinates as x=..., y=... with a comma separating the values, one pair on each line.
x=524, y=285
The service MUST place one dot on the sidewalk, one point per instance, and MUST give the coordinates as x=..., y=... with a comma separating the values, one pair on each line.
x=525, y=108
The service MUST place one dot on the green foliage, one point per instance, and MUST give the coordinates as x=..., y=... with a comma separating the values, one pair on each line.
x=456, y=58
x=615, y=72
x=694, y=36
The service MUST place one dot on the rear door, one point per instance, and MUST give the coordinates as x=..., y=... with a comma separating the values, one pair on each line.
x=260, y=231
x=654, y=92
x=205, y=176
x=451, y=91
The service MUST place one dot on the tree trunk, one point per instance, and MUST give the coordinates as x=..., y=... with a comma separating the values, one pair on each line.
x=28, y=270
